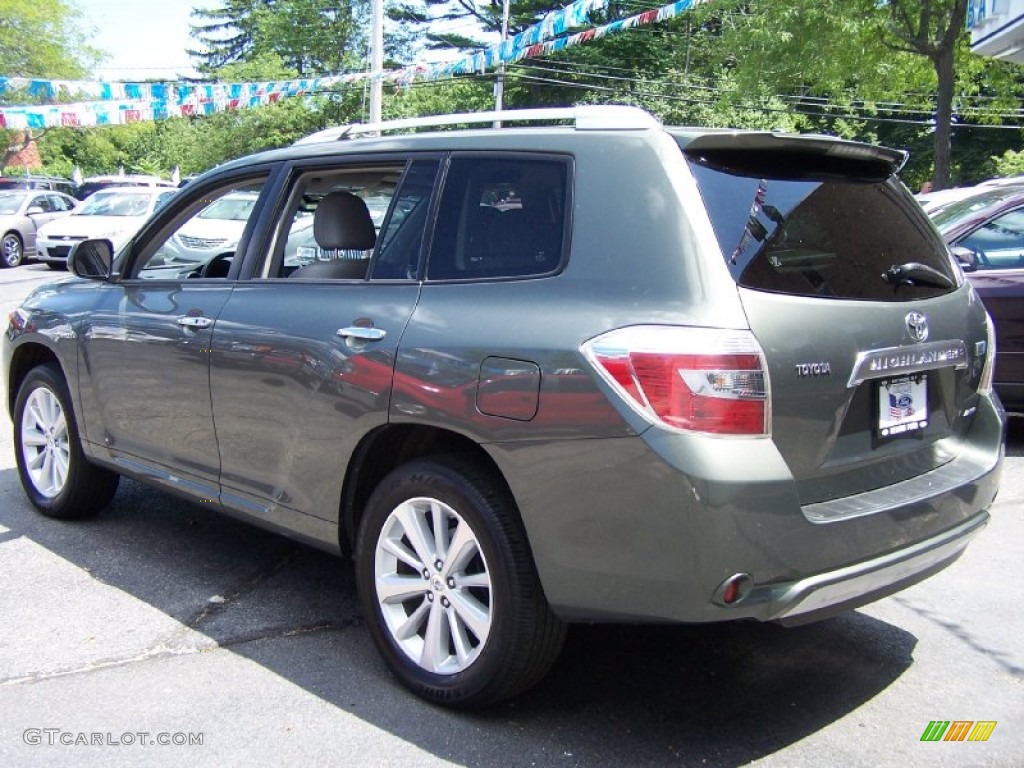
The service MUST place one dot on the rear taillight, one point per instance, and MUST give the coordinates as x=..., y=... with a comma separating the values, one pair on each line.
x=694, y=379
x=987, y=373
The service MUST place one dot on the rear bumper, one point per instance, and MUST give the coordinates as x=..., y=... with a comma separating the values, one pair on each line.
x=655, y=535
x=826, y=594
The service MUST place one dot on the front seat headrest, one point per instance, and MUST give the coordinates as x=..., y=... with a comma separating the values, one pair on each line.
x=342, y=222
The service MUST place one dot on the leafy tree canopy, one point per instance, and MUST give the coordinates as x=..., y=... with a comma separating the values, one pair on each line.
x=310, y=36
x=44, y=39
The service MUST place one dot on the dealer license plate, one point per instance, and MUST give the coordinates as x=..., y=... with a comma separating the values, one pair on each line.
x=902, y=405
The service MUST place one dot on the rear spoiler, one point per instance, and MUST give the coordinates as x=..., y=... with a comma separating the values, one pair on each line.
x=789, y=155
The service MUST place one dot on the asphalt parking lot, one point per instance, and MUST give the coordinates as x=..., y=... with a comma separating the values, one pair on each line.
x=161, y=633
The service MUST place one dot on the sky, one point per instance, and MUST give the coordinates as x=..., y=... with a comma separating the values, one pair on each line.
x=147, y=39
x=143, y=39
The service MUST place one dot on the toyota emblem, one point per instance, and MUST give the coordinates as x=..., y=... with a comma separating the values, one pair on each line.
x=917, y=324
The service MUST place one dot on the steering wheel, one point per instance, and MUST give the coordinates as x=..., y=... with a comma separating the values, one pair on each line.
x=218, y=266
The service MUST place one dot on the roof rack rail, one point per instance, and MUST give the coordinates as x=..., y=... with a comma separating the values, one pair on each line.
x=584, y=118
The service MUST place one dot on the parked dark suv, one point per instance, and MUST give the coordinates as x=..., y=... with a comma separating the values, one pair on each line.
x=603, y=371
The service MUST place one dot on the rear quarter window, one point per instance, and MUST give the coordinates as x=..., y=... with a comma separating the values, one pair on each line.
x=818, y=234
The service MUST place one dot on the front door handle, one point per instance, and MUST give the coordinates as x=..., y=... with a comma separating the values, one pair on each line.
x=361, y=333
x=194, y=322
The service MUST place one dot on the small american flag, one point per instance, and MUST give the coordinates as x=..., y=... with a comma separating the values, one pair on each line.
x=901, y=406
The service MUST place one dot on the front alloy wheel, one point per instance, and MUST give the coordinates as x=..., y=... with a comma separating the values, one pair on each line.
x=57, y=476
x=11, y=250
x=449, y=587
x=44, y=442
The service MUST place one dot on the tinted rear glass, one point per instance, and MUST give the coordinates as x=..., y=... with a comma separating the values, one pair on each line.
x=820, y=234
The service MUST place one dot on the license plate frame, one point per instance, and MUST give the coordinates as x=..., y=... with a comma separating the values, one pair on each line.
x=902, y=405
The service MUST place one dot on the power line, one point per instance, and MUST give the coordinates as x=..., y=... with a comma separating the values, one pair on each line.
x=859, y=105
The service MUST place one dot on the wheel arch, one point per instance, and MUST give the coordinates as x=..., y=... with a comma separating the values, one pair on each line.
x=24, y=358
x=389, y=447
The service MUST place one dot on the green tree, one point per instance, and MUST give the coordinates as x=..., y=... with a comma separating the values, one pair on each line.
x=438, y=98
x=1011, y=163
x=44, y=39
x=258, y=67
x=310, y=36
x=903, y=58
x=39, y=39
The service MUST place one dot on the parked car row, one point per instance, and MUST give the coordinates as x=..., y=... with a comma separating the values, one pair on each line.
x=113, y=207
x=81, y=190
x=52, y=183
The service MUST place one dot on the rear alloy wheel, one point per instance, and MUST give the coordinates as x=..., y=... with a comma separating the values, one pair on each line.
x=58, y=478
x=12, y=252
x=446, y=577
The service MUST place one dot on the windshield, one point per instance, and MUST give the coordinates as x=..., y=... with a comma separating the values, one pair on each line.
x=952, y=215
x=10, y=202
x=230, y=208
x=116, y=204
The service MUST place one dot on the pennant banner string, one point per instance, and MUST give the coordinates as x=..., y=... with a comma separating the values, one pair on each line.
x=111, y=103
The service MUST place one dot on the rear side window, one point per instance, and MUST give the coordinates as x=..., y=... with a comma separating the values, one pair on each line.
x=815, y=234
x=500, y=217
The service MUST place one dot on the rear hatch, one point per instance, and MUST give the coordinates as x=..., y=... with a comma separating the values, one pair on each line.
x=874, y=345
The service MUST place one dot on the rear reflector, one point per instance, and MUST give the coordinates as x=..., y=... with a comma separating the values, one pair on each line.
x=693, y=379
x=734, y=589
x=988, y=372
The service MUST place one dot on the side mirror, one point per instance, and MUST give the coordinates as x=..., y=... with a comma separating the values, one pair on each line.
x=34, y=209
x=966, y=258
x=91, y=259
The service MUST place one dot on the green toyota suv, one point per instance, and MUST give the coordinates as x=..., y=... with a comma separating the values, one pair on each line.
x=588, y=369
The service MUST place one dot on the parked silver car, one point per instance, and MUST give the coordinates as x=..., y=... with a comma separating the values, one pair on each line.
x=22, y=212
x=212, y=234
x=602, y=371
x=114, y=213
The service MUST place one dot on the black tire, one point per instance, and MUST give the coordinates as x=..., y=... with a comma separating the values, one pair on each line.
x=12, y=250
x=523, y=637
x=55, y=473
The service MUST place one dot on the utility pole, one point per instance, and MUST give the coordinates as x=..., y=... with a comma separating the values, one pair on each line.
x=376, y=61
x=499, y=84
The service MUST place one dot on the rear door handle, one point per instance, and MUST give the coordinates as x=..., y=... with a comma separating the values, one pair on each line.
x=361, y=333
x=195, y=322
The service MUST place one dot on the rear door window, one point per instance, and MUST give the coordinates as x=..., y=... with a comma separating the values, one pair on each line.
x=500, y=217
x=810, y=233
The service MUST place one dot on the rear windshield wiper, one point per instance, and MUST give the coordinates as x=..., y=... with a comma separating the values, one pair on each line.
x=915, y=273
